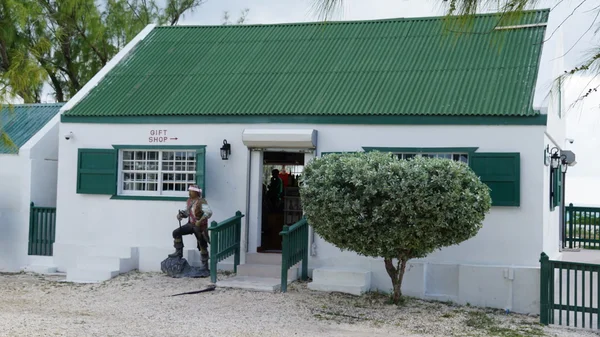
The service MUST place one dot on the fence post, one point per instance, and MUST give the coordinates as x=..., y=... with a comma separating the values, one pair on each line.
x=30, y=243
x=571, y=222
x=237, y=229
x=544, y=298
x=305, y=252
x=285, y=246
x=214, y=249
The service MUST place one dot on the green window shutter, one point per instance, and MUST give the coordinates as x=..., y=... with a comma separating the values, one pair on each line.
x=200, y=169
x=556, y=187
x=502, y=173
x=97, y=171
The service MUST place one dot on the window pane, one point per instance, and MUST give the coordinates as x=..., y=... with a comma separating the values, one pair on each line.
x=179, y=166
x=127, y=165
x=168, y=155
x=153, y=155
x=191, y=166
x=140, y=166
x=140, y=155
x=127, y=155
x=152, y=187
x=152, y=166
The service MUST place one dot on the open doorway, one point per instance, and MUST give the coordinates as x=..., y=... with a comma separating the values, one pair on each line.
x=281, y=196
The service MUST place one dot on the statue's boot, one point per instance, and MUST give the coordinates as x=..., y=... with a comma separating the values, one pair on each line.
x=204, y=259
x=178, y=253
x=178, y=244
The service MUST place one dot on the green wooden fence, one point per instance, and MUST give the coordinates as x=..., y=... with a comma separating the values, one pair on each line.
x=224, y=242
x=42, y=230
x=582, y=227
x=569, y=293
x=294, y=248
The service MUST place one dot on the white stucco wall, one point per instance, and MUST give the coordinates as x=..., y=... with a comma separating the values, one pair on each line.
x=43, y=151
x=14, y=211
x=511, y=235
x=29, y=176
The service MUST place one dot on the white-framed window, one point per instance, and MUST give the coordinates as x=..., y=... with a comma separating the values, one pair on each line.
x=156, y=172
x=462, y=157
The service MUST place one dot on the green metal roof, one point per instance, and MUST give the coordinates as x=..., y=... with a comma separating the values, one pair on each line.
x=393, y=67
x=23, y=121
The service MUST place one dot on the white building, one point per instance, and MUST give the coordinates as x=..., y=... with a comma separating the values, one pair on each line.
x=154, y=120
x=28, y=172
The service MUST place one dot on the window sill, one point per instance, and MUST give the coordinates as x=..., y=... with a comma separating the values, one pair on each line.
x=148, y=197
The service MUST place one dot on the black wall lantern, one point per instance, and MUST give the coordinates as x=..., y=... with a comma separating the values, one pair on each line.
x=225, y=150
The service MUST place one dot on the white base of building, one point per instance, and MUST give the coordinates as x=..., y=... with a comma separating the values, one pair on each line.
x=40, y=265
x=511, y=288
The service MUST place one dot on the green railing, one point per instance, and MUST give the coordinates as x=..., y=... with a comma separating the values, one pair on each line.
x=569, y=293
x=42, y=230
x=582, y=227
x=294, y=248
x=224, y=242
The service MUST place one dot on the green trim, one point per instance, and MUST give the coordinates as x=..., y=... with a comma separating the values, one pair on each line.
x=326, y=153
x=368, y=120
x=148, y=197
x=467, y=150
x=159, y=147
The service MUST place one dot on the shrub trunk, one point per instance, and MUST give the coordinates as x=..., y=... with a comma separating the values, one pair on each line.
x=396, y=273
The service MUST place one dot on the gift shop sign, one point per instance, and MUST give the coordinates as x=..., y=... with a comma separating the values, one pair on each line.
x=160, y=136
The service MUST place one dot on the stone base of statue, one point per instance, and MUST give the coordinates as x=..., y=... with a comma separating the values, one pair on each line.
x=179, y=267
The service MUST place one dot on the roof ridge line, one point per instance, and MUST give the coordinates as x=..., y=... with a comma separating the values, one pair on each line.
x=341, y=22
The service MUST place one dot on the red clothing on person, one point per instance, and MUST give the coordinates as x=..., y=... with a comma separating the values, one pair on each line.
x=284, y=177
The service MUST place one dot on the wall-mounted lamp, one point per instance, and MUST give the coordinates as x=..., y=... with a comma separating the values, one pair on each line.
x=225, y=150
x=555, y=158
x=69, y=136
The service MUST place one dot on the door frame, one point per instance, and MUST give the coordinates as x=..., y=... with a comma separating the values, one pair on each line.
x=254, y=228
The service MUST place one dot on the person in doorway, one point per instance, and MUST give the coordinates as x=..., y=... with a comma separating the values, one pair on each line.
x=197, y=212
x=275, y=189
x=284, y=177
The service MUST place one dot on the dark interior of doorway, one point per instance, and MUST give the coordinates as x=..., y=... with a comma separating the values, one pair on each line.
x=280, y=205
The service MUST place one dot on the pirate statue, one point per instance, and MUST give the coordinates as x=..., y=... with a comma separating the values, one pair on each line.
x=197, y=212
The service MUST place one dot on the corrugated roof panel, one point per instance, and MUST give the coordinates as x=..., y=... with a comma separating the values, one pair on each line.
x=413, y=66
x=23, y=121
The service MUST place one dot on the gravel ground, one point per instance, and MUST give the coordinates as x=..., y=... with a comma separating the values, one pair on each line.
x=139, y=304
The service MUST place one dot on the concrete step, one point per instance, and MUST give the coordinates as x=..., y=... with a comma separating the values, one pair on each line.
x=123, y=265
x=342, y=276
x=263, y=258
x=78, y=275
x=267, y=284
x=339, y=279
x=266, y=270
x=353, y=290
